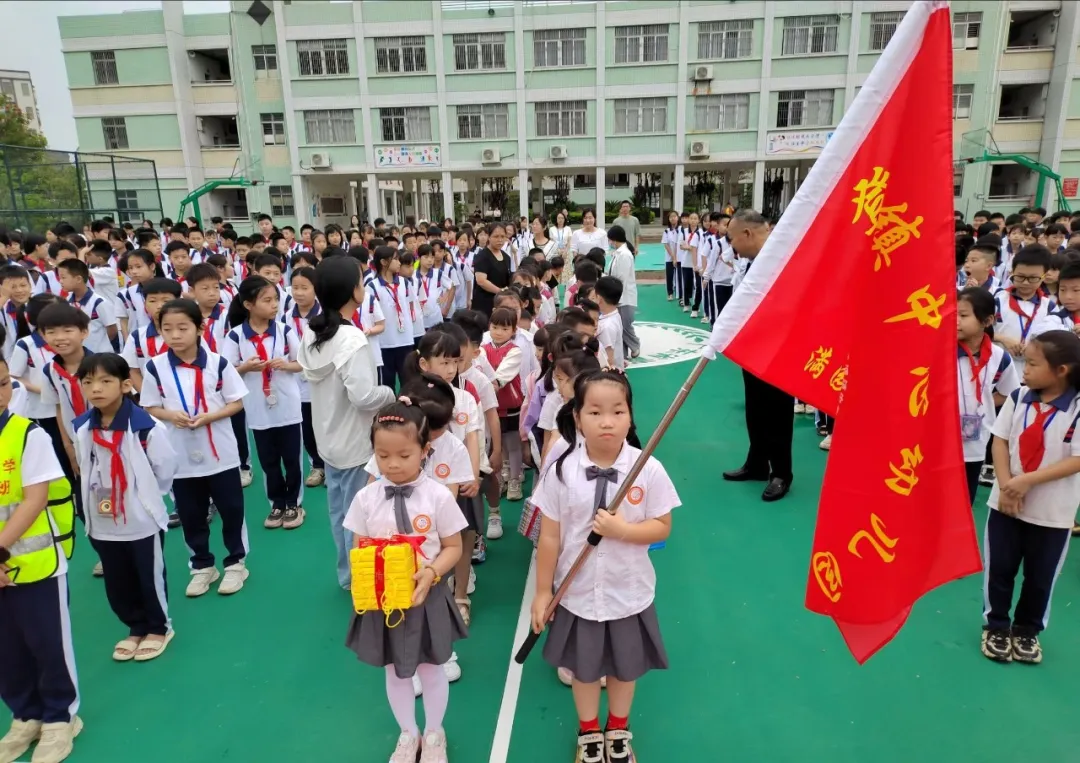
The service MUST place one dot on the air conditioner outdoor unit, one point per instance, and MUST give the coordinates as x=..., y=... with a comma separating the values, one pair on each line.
x=971, y=43
x=699, y=149
x=558, y=152
x=703, y=74
x=320, y=160
x=490, y=156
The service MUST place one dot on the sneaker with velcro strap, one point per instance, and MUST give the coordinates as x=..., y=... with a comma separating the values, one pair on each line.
x=617, y=744
x=997, y=644
x=590, y=748
x=1026, y=648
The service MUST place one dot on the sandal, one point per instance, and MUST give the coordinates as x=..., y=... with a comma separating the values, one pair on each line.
x=464, y=607
x=151, y=649
x=125, y=650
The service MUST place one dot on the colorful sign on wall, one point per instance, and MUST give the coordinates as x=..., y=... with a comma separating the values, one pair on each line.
x=408, y=156
x=797, y=142
x=1069, y=187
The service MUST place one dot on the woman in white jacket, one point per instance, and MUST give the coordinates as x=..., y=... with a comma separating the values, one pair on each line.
x=340, y=368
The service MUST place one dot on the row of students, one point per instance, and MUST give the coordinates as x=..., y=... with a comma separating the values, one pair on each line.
x=700, y=264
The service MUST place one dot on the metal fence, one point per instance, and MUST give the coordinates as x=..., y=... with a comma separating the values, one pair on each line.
x=40, y=187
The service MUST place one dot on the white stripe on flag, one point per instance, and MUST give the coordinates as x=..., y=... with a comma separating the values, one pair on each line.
x=798, y=218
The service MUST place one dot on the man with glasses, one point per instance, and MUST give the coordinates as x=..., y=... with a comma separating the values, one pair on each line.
x=1023, y=303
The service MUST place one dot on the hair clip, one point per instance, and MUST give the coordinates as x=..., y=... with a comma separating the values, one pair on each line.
x=404, y=400
x=391, y=418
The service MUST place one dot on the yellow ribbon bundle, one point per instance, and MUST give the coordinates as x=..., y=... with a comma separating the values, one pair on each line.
x=382, y=575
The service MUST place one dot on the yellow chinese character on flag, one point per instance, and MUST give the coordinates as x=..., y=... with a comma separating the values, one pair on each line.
x=871, y=195
x=839, y=379
x=827, y=573
x=870, y=202
x=819, y=359
x=924, y=307
x=919, y=400
x=905, y=479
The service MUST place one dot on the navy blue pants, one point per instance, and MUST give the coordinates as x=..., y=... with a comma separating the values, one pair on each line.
x=1008, y=543
x=239, y=428
x=279, y=451
x=393, y=359
x=971, y=471
x=135, y=583
x=37, y=661
x=310, y=445
x=669, y=278
x=721, y=294
x=192, y=496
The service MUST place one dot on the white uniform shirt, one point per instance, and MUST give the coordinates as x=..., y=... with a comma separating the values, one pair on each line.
x=280, y=342
x=397, y=302
x=141, y=345
x=135, y=304
x=724, y=269
x=299, y=324
x=463, y=263
x=466, y=417
x=101, y=314
x=447, y=462
x=609, y=333
x=1057, y=319
x=1008, y=323
x=549, y=410
x=61, y=388
x=167, y=384
x=429, y=290
x=485, y=390
x=687, y=236
x=431, y=508
x=670, y=237
x=621, y=266
x=998, y=375
x=28, y=357
x=618, y=580
x=366, y=316
x=1051, y=504
x=11, y=328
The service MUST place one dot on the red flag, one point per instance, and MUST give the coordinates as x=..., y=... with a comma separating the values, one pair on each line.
x=851, y=306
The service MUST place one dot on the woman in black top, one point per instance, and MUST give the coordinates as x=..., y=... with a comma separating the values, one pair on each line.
x=492, y=269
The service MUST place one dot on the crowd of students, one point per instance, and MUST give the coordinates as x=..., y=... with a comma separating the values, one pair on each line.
x=424, y=372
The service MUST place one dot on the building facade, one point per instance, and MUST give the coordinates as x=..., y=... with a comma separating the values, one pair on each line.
x=18, y=86
x=399, y=109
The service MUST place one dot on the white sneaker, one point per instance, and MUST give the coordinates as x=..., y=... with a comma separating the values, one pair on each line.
x=434, y=747
x=57, y=741
x=809, y=410
x=686, y=308
x=235, y=575
x=18, y=739
x=705, y=319
x=417, y=690
x=201, y=580
x=452, y=669
x=826, y=443
x=407, y=748
x=494, y=528
x=566, y=678
x=513, y=490
x=98, y=571
x=245, y=477
x=800, y=408
x=470, y=589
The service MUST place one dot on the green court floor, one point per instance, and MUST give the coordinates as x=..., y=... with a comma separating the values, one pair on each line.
x=264, y=676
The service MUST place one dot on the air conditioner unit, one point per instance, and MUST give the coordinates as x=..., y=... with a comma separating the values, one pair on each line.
x=971, y=43
x=699, y=149
x=703, y=74
x=558, y=152
x=320, y=160
x=490, y=156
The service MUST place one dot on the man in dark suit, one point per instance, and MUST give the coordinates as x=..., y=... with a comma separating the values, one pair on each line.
x=769, y=411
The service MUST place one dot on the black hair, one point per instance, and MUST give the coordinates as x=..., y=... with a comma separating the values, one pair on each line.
x=248, y=291
x=473, y=322
x=229, y=235
x=502, y=316
x=359, y=253
x=204, y=271
x=573, y=363
x=433, y=344
x=14, y=271
x=217, y=260
x=162, y=286
x=988, y=229
x=610, y=289
x=62, y=315
x=1069, y=272
x=617, y=234
x=1035, y=255
x=574, y=316
x=586, y=304
x=177, y=246
x=184, y=307
x=103, y=248
x=302, y=260
x=396, y=415
x=32, y=241
x=144, y=237
x=308, y=273
x=982, y=303
x=597, y=257
x=382, y=255
x=433, y=396
x=510, y=293
x=1061, y=348
x=30, y=313
x=180, y=227
x=108, y=363
x=336, y=279
x=75, y=267
x=565, y=418
x=1057, y=228
x=982, y=213
x=62, y=246
x=267, y=260
x=586, y=271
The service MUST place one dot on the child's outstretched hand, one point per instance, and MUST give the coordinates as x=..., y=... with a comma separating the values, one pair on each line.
x=539, y=609
x=424, y=579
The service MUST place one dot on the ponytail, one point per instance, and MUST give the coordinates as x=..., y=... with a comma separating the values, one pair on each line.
x=336, y=280
x=323, y=326
x=249, y=291
x=564, y=422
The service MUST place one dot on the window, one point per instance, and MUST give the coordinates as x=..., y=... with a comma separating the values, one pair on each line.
x=115, y=129
x=809, y=34
x=30, y=113
x=726, y=39
x=322, y=58
x=281, y=202
x=559, y=47
x=560, y=118
x=961, y=101
x=332, y=205
x=965, y=30
x=730, y=111
x=406, y=124
x=7, y=87
x=398, y=55
x=273, y=129
x=638, y=115
x=488, y=121
x=104, y=62
x=882, y=28
x=479, y=51
x=265, y=57
x=127, y=205
x=26, y=88
x=805, y=108
x=638, y=44
x=329, y=126
x=958, y=179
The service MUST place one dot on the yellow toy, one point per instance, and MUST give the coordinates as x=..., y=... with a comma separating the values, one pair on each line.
x=382, y=575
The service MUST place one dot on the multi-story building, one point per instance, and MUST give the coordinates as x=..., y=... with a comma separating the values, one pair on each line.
x=18, y=86
x=392, y=108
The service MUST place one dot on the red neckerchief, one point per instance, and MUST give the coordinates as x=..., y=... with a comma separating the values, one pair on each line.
x=425, y=284
x=985, y=350
x=393, y=288
x=358, y=317
x=300, y=321
x=1032, y=440
x=118, y=479
x=200, y=399
x=78, y=405
x=208, y=327
x=258, y=341
x=152, y=348
x=1025, y=319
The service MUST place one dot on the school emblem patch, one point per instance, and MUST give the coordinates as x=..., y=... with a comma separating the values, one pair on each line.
x=442, y=471
x=635, y=495
x=421, y=523
x=666, y=343
x=462, y=419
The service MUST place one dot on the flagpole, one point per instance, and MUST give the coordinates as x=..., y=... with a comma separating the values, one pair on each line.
x=635, y=470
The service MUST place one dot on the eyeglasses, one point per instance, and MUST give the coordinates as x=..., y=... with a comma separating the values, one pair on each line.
x=1027, y=279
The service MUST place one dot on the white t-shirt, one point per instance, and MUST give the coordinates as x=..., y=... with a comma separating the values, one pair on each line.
x=58, y=389
x=281, y=342
x=29, y=355
x=999, y=375
x=102, y=315
x=447, y=462
x=398, y=302
x=583, y=243
x=549, y=410
x=366, y=316
x=466, y=417
x=609, y=333
x=1011, y=324
x=299, y=324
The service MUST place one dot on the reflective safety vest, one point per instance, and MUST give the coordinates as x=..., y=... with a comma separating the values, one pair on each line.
x=36, y=555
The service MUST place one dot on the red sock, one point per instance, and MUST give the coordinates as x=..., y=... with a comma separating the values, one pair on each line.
x=588, y=727
x=614, y=723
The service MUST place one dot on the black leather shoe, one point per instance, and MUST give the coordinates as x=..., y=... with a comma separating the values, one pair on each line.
x=742, y=474
x=775, y=490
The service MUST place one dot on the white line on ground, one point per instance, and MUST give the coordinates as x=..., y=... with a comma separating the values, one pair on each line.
x=500, y=746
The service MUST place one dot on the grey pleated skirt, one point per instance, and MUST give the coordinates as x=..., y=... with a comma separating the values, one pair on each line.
x=626, y=649
x=427, y=634
x=473, y=511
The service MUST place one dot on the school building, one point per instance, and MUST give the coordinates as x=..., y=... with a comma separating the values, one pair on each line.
x=409, y=108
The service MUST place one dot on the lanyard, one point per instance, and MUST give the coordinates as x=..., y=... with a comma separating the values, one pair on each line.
x=200, y=399
x=1025, y=327
x=1049, y=418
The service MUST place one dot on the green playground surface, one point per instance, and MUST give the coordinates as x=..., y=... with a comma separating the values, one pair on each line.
x=264, y=675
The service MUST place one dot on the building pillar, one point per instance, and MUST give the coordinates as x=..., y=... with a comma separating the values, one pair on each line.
x=303, y=211
x=759, y=184
x=601, y=197
x=373, y=198
x=448, y=197
x=523, y=193
x=678, y=188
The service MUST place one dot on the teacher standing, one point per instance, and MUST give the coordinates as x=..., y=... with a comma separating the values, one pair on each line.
x=769, y=411
x=491, y=266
